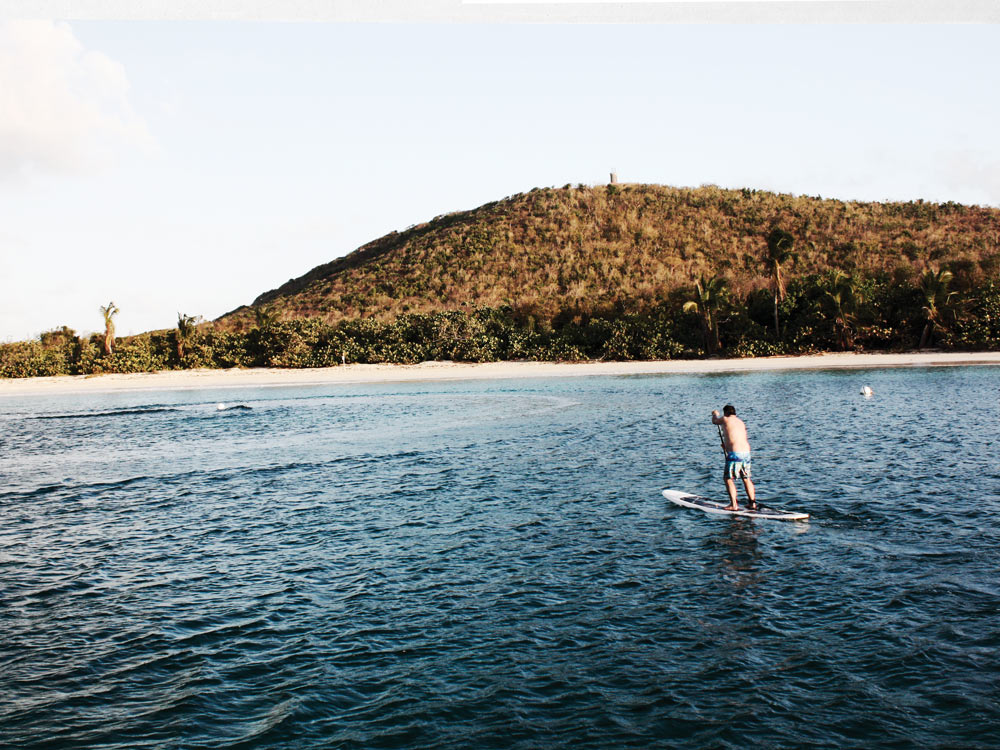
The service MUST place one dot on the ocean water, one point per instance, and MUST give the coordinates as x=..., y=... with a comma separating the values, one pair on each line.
x=491, y=565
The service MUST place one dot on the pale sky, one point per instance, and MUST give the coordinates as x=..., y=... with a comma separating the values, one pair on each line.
x=189, y=166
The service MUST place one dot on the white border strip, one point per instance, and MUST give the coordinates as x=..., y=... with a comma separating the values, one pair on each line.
x=514, y=11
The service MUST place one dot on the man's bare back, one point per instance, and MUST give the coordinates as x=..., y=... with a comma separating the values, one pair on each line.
x=734, y=432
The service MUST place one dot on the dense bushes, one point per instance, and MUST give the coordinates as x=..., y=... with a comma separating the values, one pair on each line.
x=819, y=313
x=978, y=327
x=26, y=359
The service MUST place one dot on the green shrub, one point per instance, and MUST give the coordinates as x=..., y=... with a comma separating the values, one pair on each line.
x=979, y=328
x=135, y=354
x=29, y=359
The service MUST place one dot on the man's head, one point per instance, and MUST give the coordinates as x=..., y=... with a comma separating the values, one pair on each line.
x=728, y=410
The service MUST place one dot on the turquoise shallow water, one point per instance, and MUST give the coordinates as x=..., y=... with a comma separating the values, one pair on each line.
x=492, y=565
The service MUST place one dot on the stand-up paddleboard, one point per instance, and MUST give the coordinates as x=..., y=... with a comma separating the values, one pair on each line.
x=687, y=500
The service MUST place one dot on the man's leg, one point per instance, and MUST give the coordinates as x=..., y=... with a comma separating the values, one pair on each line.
x=751, y=491
x=731, y=489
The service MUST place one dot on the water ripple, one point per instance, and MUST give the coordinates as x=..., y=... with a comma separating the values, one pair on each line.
x=488, y=565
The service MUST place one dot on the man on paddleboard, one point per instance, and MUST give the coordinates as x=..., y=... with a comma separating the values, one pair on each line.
x=737, y=448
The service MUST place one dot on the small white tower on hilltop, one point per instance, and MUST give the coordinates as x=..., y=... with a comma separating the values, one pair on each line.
x=614, y=176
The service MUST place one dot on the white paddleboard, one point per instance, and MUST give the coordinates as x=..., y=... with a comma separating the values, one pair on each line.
x=687, y=500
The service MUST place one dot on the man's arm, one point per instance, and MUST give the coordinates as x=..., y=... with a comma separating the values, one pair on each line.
x=716, y=419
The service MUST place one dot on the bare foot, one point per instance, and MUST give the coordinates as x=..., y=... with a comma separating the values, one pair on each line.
x=732, y=507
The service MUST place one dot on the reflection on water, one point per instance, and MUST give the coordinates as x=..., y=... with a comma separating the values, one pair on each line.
x=735, y=546
x=492, y=565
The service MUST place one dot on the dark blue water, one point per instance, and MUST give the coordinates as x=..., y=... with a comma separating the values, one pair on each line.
x=491, y=565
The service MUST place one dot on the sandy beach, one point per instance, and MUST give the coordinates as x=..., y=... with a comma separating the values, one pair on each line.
x=432, y=371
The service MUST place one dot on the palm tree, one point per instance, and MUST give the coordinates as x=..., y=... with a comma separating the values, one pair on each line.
x=779, y=250
x=934, y=285
x=109, y=313
x=709, y=294
x=266, y=316
x=187, y=327
x=844, y=299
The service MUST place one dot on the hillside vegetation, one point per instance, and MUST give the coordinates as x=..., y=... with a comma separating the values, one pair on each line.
x=616, y=272
x=624, y=248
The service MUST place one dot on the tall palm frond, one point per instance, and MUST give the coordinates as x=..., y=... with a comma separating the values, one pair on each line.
x=780, y=249
x=266, y=315
x=187, y=327
x=109, y=312
x=709, y=295
x=843, y=298
x=938, y=301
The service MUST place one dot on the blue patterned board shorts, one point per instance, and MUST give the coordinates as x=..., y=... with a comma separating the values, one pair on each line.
x=737, y=465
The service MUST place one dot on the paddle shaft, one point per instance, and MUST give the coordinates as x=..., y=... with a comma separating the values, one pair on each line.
x=721, y=439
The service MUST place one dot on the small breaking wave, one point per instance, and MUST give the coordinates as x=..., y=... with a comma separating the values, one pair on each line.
x=112, y=413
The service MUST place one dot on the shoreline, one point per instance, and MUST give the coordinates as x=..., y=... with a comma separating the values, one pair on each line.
x=444, y=371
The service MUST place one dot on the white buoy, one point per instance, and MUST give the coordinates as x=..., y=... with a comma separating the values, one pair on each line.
x=866, y=391
x=221, y=407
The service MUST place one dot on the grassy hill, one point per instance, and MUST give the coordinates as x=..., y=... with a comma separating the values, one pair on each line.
x=615, y=272
x=622, y=248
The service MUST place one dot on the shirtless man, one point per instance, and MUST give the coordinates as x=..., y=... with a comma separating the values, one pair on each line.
x=734, y=439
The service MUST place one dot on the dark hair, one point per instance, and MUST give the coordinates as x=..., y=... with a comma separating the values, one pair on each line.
x=729, y=410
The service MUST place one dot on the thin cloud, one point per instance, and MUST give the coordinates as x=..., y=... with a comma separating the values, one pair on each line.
x=66, y=108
